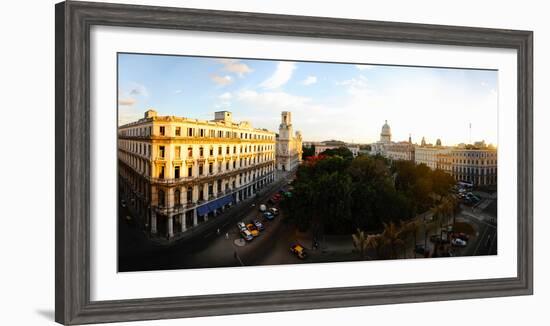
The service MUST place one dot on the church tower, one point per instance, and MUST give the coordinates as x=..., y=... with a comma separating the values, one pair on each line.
x=289, y=144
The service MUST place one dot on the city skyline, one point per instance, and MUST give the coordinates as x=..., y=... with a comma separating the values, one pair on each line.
x=346, y=102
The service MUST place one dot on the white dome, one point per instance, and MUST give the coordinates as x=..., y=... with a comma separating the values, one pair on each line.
x=386, y=130
x=385, y=135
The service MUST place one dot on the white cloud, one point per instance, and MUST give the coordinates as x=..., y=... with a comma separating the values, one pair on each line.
x=222, y=80
x=273, y=100
x=138, y=89
x=127, y=101
x=178, y=91
x=226, y=96
x=356, y=86
x=310, y=80
x=281, y=76
x=129, y=114
x=235, y=66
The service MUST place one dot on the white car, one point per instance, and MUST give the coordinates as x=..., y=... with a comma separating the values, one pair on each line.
x=247, y=235
x=458, y=242
x=241, y=226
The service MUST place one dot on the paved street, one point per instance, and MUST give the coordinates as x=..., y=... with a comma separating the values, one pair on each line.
x=208, y=249
x=211, y=249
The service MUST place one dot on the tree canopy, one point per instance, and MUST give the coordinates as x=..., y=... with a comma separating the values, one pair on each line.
x=340, y=193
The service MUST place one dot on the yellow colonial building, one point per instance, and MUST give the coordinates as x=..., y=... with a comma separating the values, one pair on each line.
x=175, y=173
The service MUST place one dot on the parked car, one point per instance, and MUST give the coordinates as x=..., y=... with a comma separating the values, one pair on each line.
x=458, y=242
x=259, y=225
x=298, y=250
x=462, y=236
x=269, y=215
x=274, y=211
x=241, y=226
x=253, y=230
x=247, y=235
x=263, y=208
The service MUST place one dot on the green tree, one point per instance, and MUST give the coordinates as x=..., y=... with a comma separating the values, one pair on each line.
x=343, y=152
x=392, y=238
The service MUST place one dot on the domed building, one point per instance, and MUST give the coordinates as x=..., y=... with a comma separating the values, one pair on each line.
x=385, y=135
x=393, y=150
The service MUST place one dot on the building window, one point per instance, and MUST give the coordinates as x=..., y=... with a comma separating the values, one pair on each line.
x=189, y=194
x=161, y=151
x=178, y=152
x=201, y=152
x=234, y=149
x=162, y=130
x=177, y=195
x=189, y=151
x=201, y=193
x=210, y=168
x=211, y=151
x=219, y=185
x=227, y=165
x=178, y=131
x=161, y=172
x=234, y=164
x=200, y=169
x=189, y=171
x=162, y=199
x=210, y=189
x=177, y=172
x=220, y=150
x=227, y=150
x=189, y=132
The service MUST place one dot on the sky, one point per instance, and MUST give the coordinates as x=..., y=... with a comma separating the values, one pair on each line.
x=348, y=102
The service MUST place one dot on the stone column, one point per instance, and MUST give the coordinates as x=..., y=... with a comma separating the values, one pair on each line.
x=195, y=219
x=153, y=222
x=170, y=226
x=183, y=222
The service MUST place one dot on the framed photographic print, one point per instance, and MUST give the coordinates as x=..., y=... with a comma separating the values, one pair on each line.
x=215, y=162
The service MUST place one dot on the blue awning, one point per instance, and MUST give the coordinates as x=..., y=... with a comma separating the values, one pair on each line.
x=213, y=205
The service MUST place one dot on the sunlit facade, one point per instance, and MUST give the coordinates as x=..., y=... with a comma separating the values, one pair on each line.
x=289, y=144
x=175, y=173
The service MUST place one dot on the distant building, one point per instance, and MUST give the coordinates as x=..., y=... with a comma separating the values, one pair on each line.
x=431, y=156
x=392, y=150
x=289, y=145
x=475, y=164
x=333, y=144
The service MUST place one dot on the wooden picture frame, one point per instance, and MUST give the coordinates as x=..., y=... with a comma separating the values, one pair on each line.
x=72, y=186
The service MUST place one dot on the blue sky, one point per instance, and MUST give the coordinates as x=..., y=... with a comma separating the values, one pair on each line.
x=348, y=102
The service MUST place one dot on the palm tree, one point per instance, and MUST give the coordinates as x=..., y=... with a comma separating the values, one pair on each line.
x=412, y=226
x=437, y=217
x=376, y=242
x=451, y=206
x=392, y=237
x=360, y=242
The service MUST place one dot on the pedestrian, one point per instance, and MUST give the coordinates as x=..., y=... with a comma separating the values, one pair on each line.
x=218, y=231
x=226, y=236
